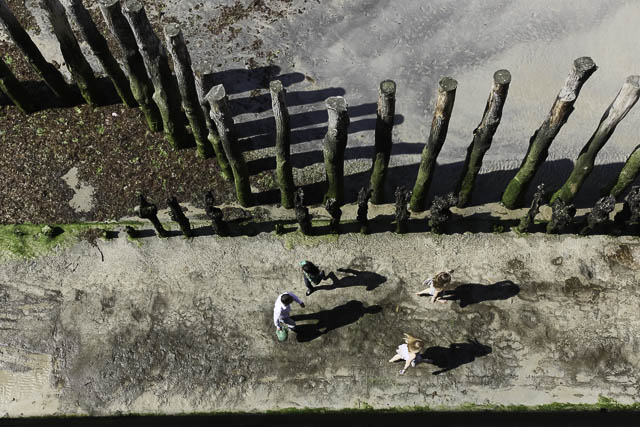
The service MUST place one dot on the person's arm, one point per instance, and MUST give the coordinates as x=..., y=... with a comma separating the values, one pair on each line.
x=296, y=299
x=428, y=284
x=277, y=311
x=407, y=362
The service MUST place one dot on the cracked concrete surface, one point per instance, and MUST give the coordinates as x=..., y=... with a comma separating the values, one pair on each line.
x=176, y=325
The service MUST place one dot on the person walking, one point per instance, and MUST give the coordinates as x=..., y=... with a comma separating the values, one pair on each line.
x=436, y=285
x=409, y=352
x=312, y=275
x=282, y=309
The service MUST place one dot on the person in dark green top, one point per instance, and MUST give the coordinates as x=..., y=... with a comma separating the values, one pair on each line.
x=312, y=275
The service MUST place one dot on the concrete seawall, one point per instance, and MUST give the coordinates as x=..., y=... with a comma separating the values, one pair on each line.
x=176, y=325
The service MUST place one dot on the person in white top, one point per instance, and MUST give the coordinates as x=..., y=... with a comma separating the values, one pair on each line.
x=282, y=308
x=409, y=352
x=436, y=285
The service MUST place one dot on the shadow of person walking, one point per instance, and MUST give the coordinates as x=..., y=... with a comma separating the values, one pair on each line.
x=455, y=355
x=473, y=293
x=328, y=320
x=355, y=278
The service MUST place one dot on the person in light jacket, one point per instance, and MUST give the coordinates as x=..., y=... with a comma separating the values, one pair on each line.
x=409, y=352
x=436, y=286
x=282, y=308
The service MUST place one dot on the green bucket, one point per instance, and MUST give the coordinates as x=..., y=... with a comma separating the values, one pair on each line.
x=282, y=334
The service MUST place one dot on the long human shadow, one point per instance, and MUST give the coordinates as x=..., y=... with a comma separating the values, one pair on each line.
x=329, y=320
x=369, y=279
x=454, y=356
x=474, y=293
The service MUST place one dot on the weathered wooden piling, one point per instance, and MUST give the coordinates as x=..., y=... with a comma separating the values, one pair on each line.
x=561, y=217
x=176, y=214
x=216, y=215
x=541, y=140
x=100, y=49
x=383, y=141
x=335, y=142
x=73, y=56
x=623, y=102
x=363, y=209
x=214, y=138
x=139, y=82
x=155, y=60
x=284, y=171
x=483, y=135
x=51, y=76
x=302, y=212
x=627, y=176
x=598, y=219
x=14, y=90
x=527, y=220
x=149, y=211
x=222, y=117
x=332, y=207
x=440, y=211
x=439, y=126
x=187, y=86
x=402, y=213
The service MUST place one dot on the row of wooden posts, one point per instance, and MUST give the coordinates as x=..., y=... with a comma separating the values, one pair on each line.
x=147, y=82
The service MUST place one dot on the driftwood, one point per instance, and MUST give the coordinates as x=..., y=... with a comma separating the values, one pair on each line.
x=284, y=172
x=335, y=142
x=222, y=117
x=155, y=60
x=538, y=200
x=176, y=214
x=439, y=126
x=623, y=102
x=15, y=90
x=302, y=213
x=402, y=213
x=334, y=210
x=363, y=208
x=216, y=215
x=100, y=49
x=187, y=86
x=513, y=195
x=139, y=82
x=73, y=56
x=483, y=135
x=214, y=138
x=383, y=140
x=51, y=76
x=149, y=211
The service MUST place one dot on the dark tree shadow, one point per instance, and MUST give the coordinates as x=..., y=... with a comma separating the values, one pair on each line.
x=328, y=320
x=356, y=278
x=473, y=293
x=457, y=354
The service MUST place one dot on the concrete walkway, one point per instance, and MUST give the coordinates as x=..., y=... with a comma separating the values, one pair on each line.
x=176, y=325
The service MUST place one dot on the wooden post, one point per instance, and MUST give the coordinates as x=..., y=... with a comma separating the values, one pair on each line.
x=302, y=213
x=14, y=90
x=223, y=119
x=334, y=210
x=623, y=102
x=73, y=56
x=363, y=208
x=98, y=45
x=383, y=142
x=284, y=172
x=187, y=85
x=439, y=126
x=402, y=213
x=139, y=82
x=149, y=211
x=627, y=175
x=214, y=138
x=528, y=219
x=335, y=142
x=539, y=143
x=561, y=217
x=483, y=135
x=176, y=214
x=52, y=77
x=155, y=60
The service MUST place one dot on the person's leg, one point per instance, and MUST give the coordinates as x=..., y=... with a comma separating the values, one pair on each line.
x=332, y=276
x=308, y=284
x=423, y=293
x=395, y=358
x=289, y=322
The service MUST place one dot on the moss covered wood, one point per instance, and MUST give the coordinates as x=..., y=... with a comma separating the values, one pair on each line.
x=139, y=82
x=482, y=136
x=513, y=195
x=221, y=115
x=383, y=141
x=100, y=49
x=51, y=76
x=439, y=126
x=15, y=90
x=214, y=138
x=627, y=176
x=334, y=144
x=187, y=86
x=74, y=58
x=284, y=171
x=623, y=102
x=165, y=93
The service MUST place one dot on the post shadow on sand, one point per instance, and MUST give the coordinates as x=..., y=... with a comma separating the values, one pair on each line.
x=457, y=354
x=369, y=279
x=473, y=293
x=328, y=320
